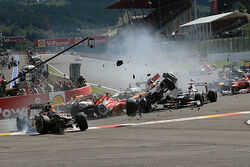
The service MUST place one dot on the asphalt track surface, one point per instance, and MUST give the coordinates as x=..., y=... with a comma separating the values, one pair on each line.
x=106, y=73
x=214, y=135
x=219, y=140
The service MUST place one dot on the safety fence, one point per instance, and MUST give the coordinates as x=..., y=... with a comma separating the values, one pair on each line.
x=221, y=45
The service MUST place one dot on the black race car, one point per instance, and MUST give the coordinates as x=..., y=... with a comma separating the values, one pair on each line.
x=158, y=86
x=44, y=119
x=193, y=97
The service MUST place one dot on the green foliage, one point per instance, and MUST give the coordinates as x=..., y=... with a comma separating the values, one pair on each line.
x=241, y=8
x=96, y=89
x=26, y=17
x=203, y=11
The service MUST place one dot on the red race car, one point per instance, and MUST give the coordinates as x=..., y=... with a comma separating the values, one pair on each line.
x=107, y=105
x=242, y=85
x=101, y=107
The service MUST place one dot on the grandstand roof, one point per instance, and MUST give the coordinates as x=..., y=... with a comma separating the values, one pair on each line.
x=213, y=18
x=128, y=4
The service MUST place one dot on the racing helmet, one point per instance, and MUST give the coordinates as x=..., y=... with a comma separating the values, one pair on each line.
x=49, y=105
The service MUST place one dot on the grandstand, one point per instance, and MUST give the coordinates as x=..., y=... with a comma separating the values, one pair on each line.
x=216, y=26
x=165, y=16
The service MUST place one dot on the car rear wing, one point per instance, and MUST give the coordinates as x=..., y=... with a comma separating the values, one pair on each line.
x=151, y=80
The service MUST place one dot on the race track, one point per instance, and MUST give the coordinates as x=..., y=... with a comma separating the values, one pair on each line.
x=219, y=139
x=106, y=73
x=214, y=135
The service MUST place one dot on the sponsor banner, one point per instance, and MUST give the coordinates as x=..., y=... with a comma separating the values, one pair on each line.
x=78, y=39
x=57, y=97
x=40, y=43
x=70, y=93
x=68, y=41
x=11, y=106
x=99, y=40
x=54, y=42
x=14, y=39
x=59, y=42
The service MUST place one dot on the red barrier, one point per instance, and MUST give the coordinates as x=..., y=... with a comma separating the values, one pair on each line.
x=68, y=41
x=10, y=106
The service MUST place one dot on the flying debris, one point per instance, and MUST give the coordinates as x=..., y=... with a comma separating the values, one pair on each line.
x=103, y=65
x=133, y=76
x=148, y=75
x=119, y=63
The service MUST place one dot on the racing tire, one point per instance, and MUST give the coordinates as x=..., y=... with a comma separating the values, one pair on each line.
x=42, y=124
x=170, y=76
x=144, y=106
x=199, y=97
x=81, y=121
x=101, y=111
x=233, y=90
x=131, y=107
x=168, y=84
x=225, y=88
x=169, y=98
x=148, y=107
x=212, y=96
x=247, y=85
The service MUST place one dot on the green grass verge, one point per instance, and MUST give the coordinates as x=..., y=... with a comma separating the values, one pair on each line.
x=96, y=89
x=219, y=64
x=52, y=71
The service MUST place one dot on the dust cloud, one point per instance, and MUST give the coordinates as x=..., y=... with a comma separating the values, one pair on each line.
x=142, y=52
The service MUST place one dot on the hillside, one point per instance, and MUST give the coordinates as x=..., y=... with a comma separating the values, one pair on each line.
x=66, y=17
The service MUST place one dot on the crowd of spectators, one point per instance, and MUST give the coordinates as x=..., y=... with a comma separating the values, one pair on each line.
x=37, y=87
x=36, y=83
x=4, y=59
x=2, y=85
x=63, y=86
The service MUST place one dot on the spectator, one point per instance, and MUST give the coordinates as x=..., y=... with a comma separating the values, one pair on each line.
x=27, y=90
x=48, y=87
x=33, y=90
x=71, y=84
x=81, y=82
x=40, y=89
x=56, y=87
x=3, y=85
x=60, y=84
x=21, y=76
x=21, y=92
x=66, y=86
x=1, y=89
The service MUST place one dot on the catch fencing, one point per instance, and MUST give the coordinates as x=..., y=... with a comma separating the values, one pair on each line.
x=220, y=45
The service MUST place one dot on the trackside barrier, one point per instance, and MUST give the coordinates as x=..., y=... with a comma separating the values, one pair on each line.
x=11, y=106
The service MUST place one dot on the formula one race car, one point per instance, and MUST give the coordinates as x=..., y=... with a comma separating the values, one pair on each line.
x=159, y=85
x=44, y=119
x=203, y=69
x=227, y=76
x=230, y=72
x=241, y=85
x=246, y=66
x=193, y=97
x=101, y=107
